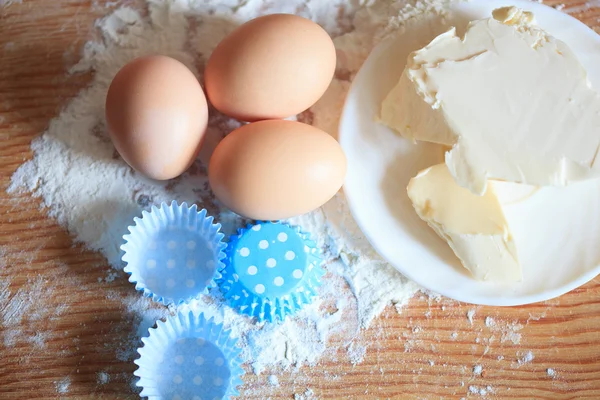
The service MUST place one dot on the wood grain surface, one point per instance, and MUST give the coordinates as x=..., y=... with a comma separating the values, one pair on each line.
x=73, y=344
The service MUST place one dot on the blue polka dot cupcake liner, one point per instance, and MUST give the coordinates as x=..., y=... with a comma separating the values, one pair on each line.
x=173, y=253
x=271, y=271
x=188, y=357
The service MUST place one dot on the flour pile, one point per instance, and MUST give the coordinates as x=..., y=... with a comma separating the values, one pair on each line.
x=90, y=191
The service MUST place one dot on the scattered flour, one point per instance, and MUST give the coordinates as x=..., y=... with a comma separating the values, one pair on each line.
x=356, y=353
x=307, y=395
x=102, y=378
x=470, y=315
x=508, y=331
x=273, y=380
x=63, y=385
x=481, y=390
x=26, y=312
x=112, y=275
x=510, y=334
x=551, y=372
x=6, y=3
x=477, y=369
x=144, y=313
x=579, y=7
x=525, y=358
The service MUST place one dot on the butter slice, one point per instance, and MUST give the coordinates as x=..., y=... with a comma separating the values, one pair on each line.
x=512, y=101
x=474, y=226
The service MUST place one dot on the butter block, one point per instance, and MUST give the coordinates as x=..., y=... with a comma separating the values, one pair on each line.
x=511, y=101
x=474, y=226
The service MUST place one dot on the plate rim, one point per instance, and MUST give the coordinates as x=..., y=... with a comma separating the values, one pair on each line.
x=456, y=295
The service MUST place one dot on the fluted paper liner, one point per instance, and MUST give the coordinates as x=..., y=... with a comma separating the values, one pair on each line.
x=188, y=357
x=271, y=271
x=173, y=253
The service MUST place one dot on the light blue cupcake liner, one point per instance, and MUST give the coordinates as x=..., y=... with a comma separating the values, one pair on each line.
x=271, y=271
x=173, y=253
x=189, y=358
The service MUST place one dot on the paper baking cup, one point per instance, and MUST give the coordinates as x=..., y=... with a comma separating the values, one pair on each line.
x=272, y=270
x=188, y=358
x=173, y=253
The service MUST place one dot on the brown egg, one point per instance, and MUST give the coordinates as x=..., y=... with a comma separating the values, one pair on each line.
x=157, y=115
x=276, y=169
x=271, y=67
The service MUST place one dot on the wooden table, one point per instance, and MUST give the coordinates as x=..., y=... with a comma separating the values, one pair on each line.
x=67, y=345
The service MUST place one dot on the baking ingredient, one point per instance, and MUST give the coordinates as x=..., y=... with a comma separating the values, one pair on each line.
x=276, y=169
x=470, y=315
x=102, y=378
x=481, y=391
x=512, y=101
x=26, y=316
x=273, y=380
x=274, y=66
x=62, y=386
x=525, y=358
x=474, y=226
x=157, y=115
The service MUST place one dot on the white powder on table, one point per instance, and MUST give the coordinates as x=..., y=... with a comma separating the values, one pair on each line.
x=482, y=391
x=525, y=358
x=102, y=378
x=273, y=380
x=509, y=331
x=26, y=312
x=62, y=386
x=6, y=3
x=307, y=395
x=470, y=315
x=356, y=353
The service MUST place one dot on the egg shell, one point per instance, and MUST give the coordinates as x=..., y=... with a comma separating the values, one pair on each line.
x=271, y=67
x=276, y=169
x=157, y=116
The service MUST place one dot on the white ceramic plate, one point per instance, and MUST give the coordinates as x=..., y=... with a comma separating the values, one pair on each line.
x=557, y=229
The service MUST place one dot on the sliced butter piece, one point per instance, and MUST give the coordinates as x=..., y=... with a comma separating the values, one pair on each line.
x=512, y=101
x=474, y=226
